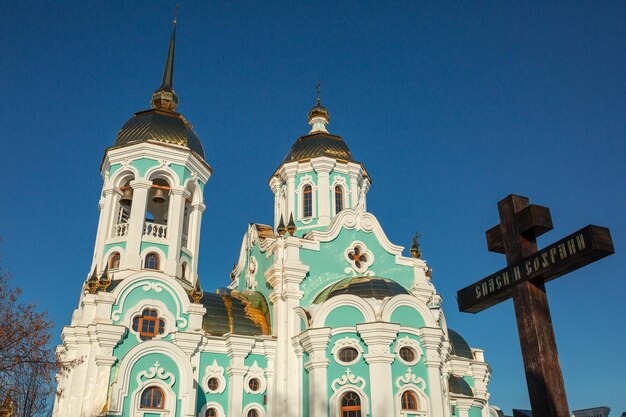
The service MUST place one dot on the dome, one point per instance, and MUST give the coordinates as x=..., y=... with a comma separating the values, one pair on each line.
x=364, y=287
x=319, y=144
x=244, y=313
x=459, y=345
x=160, y=126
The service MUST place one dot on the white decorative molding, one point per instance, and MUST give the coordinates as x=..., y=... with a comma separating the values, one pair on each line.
x=335, y=400
x=356, y=219
x=255, y=371
x=348, y=379
x=251, y=272
x=154, y=372
x=342, y=300
x=410, y=378
x=344, y=343
x=214, y=371
x=212, y=404
x=163, y=313
x=148, y=285
x=253, y=406
x=364, y=259
x=412, y=344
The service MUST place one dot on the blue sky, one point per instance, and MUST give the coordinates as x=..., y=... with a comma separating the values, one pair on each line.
x=450, y=106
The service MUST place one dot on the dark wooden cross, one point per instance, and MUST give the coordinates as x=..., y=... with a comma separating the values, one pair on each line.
x=524, y=280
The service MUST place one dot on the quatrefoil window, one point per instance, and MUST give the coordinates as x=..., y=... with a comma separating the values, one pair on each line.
x=359, y=257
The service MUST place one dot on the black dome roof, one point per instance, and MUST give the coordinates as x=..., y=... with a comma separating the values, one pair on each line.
x=364, y=287
x=459, y=346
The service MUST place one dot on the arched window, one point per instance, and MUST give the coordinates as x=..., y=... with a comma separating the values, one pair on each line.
x=152, y=261
x=338, y=199
x=152, y=397
x=211, y=412
x=114, y=260
x=307, y=201
x=148, y=325
x=409, y=401
x=350, y=405
x=253, y=413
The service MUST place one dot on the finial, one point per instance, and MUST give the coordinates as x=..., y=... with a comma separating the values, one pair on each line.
x=291, y=226
x=318, y=93
x=164, y=98
x=281, y=229
x=196, y=293
x=105, y=279
x=416, y=251
x=92, y=282
x=318, y=115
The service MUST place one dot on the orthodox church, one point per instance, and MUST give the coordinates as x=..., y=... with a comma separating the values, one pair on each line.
x=322, y=316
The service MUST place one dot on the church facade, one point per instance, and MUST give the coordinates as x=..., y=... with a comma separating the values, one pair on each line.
x=323, y=316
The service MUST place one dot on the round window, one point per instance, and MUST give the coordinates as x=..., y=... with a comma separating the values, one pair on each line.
x=211, y=412
x=348, y=355
x=253, y=413
x=214, y=384
x=254, y=384
x=407, y=354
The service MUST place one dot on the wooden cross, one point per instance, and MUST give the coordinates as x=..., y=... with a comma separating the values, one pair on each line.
x=524, y=280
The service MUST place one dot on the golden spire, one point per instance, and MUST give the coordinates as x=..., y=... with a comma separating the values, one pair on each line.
x=105, y=279
x=164, y=98
x=291, y=226
x=281, y=229
x=416, y=251
x=92, y=282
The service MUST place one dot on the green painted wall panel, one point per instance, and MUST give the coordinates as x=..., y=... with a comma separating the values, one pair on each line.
x=109, y=246
x=143, y=165
x=146, y=245
x=344, y=316
x=408, y=317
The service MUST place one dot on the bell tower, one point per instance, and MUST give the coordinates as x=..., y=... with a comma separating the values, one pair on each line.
x=152, y=198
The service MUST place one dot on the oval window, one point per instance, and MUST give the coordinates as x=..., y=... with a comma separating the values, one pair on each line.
x=254, y=384
x=214, y=384
x=407, y=354
x=348, y=355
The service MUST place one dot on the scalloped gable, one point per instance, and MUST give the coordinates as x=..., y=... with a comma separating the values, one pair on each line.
x=355, y=219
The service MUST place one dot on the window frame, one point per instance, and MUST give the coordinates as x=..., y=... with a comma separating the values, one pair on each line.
x=339, y=198
x=404, y=405
x=307, y=201
x=158, y=261
x=115, y=256
x=347, y=410
x=152, y=389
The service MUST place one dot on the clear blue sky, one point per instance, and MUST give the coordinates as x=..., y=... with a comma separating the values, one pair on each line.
x=451, y=107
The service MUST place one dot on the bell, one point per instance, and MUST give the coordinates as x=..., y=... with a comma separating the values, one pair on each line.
x=127, y=196
x=158, y=196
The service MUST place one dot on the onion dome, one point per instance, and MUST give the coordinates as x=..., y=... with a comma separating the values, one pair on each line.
x=318, y=117
x=459, y=346
x=459, y=386
x=162, y=123
x=244, y=313
x=364, y=287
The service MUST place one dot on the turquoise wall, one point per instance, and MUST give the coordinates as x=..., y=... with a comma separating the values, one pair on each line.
x=146, y=245
x=204, y=396
x=327, y=265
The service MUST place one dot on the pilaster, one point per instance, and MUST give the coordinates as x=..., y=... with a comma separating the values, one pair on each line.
x=433, y=338
x=194, y=238
x=315, y=343
x=175, y=228
x=238, y=348
x=378, y=336
x=105, y=223
x=322, y=167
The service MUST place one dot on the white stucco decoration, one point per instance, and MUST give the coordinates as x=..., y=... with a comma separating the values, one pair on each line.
x=343, y=343
x=348, y=379
x=410, y=378
x=253, y=406
x=359, y=258
x=412, y=344
x=255, y=371
x=156, y=371
x=251, y=273
x=214, y=371
x=212, y=404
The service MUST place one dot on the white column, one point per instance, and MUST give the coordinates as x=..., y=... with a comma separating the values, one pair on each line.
x=322, y=167
x=105, y=223
x=315, y=343
x=378, y=337
x=238, y=349
x=270, y=354
x=275, y=184
x=131, y=258
x=462, y=407
x=288, y=174
x=195, y=222
x=354, y=171
x=175, y=228
x=432, y=338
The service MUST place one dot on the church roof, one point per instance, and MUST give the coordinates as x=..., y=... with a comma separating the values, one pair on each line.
x=459, y=346
x=364, y=287
x=160, y=126
x=161, y=123
x=319, y=144
x=458, y=385
x=244, y=313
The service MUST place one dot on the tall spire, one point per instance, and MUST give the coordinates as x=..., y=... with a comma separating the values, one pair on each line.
x=164, y=98
x=318, y=115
